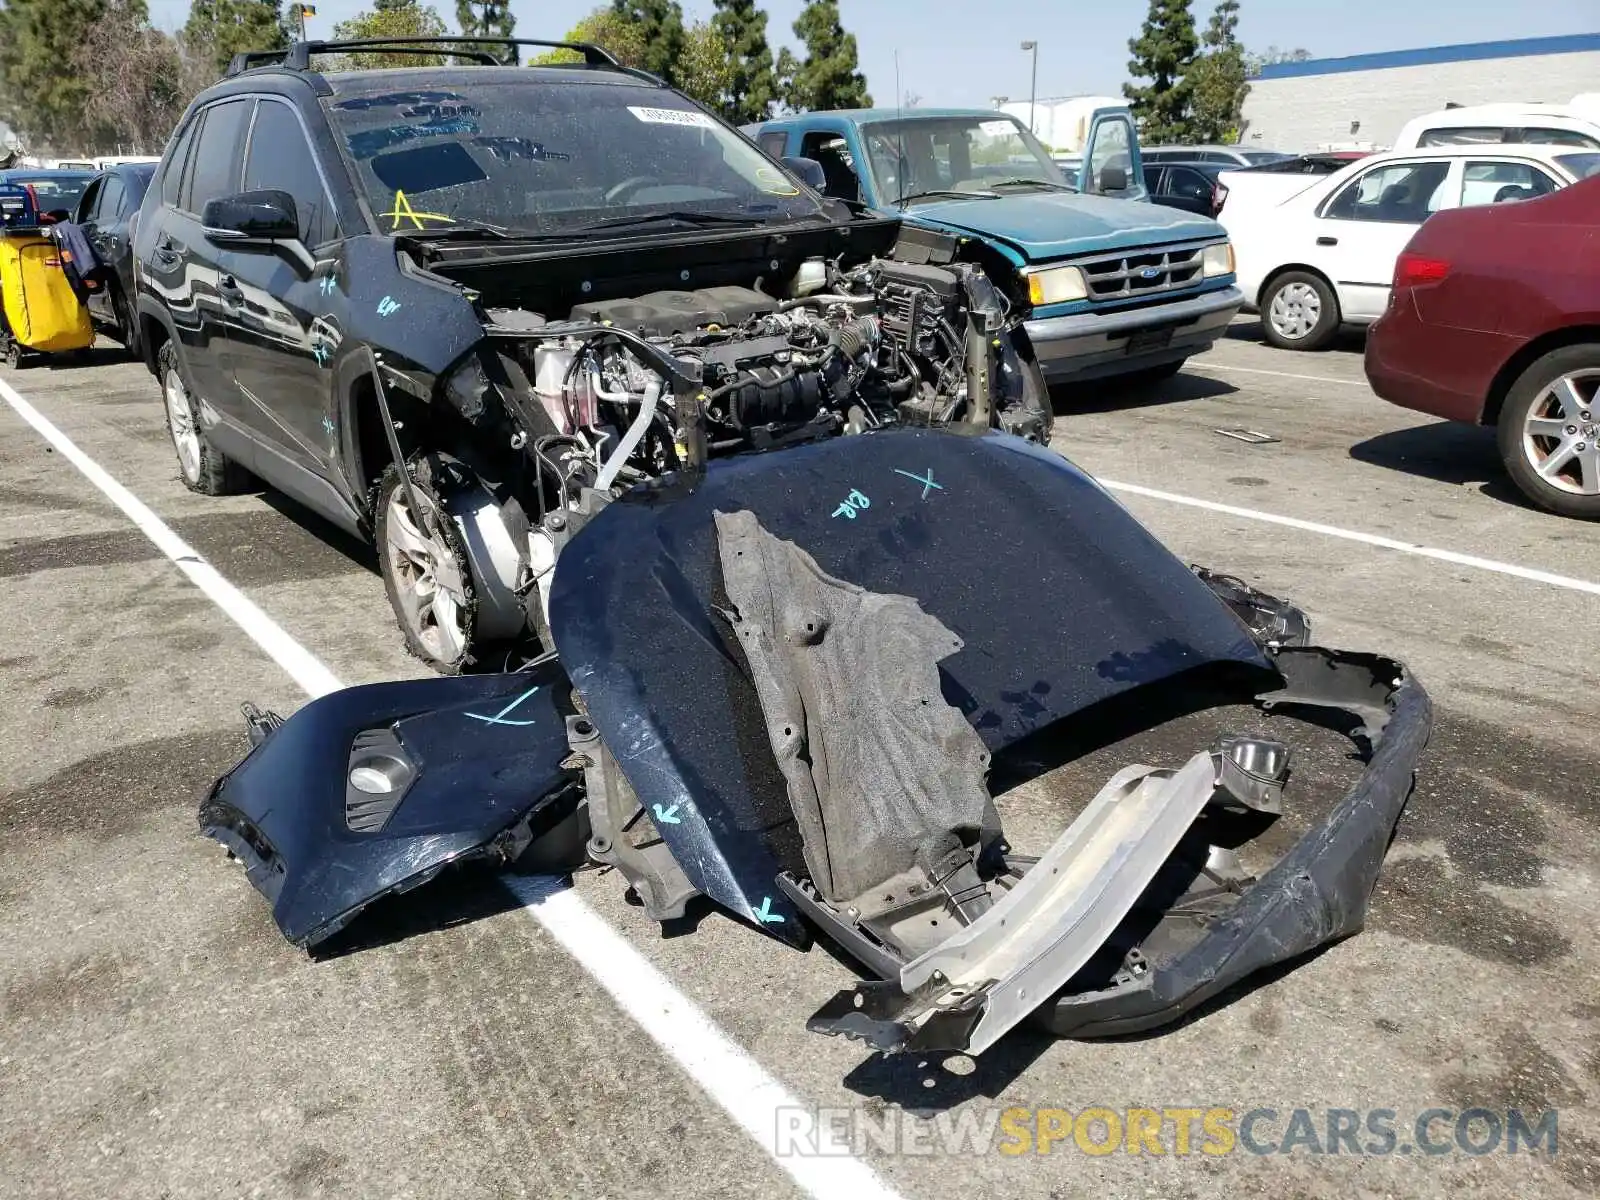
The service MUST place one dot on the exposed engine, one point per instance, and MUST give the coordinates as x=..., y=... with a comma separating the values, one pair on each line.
x=632, y=388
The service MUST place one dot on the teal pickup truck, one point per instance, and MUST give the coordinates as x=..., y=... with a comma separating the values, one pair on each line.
x=1111, y=286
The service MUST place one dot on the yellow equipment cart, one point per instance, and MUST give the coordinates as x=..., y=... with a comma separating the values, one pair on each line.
x=40, y=313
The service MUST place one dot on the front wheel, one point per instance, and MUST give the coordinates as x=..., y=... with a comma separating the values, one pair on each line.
x=202, y=467
x=426, y=573
x=1549, y=431
x=1299, y=312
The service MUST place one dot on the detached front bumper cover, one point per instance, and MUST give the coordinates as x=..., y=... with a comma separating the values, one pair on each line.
x=1317, y=893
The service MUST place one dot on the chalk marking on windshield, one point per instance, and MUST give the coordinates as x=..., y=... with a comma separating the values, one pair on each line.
x=774, y=184
x=402, y=211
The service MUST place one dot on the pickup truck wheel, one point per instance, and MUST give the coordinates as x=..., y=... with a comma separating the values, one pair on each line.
x=426, y=573
x=202, y=467
x=1549, y=432
x=1299, y=312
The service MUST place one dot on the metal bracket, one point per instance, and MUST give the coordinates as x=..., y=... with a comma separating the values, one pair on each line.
x=614, y=815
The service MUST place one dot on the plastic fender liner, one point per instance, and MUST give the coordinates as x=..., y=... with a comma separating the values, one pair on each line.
x=473, y=756
x=1318, y=892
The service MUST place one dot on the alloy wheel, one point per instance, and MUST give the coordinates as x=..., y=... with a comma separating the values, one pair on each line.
x=428, y=578
x=181, y=424
x=1561, y=434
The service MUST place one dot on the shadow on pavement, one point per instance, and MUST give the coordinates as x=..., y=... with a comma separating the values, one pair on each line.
x=1448, y=451
x=1111, y=395
x=1350, y=338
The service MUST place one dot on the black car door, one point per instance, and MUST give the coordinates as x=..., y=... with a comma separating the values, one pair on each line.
x=100, y=229
x=186, y=269
x=286, y=325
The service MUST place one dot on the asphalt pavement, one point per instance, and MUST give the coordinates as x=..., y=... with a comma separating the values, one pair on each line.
x=159, y=1039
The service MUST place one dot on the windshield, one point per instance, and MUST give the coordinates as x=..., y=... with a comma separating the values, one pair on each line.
x=542, y=157
x=52, y=191
x=921, y=155
x=1582, y=166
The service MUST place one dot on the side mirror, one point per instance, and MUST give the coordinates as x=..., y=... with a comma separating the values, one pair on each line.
x=810, y=172
x=258, y=217
x=265, y=219
x=1113, y=179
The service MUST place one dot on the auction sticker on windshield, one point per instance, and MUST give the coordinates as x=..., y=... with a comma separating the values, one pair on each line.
x=672, y=116
x=997, y=128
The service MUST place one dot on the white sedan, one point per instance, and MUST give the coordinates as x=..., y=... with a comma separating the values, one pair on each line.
x=1324, y=255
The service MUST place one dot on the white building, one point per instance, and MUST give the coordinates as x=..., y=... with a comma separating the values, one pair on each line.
x=1060, y=122
x=1363, y=101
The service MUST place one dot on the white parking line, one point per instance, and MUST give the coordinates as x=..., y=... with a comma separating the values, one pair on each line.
x=1367, y=539
x=723, y=1070
x=1207, y=364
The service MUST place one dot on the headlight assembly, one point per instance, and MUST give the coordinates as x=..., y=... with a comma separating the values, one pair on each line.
x=1057, y=285
x=1218, y=260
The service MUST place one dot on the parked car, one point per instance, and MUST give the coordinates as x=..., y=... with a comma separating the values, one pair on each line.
x=1225, y=156
x=108, y=212
x=1494, y=318
x=375, y=291
x=1323, y=162
x=55, y=192
x=1192, y=187
x=1501, y=124
x=1105, y=287
x=1325, y=256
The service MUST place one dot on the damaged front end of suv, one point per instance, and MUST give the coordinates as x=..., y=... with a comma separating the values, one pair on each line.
x=807, y=685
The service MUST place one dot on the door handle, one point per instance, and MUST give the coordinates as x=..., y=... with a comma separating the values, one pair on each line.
x=228, y=288
x=1327, y=241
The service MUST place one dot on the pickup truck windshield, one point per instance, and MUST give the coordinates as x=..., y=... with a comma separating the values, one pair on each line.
x=551, y=157
x=922, y=155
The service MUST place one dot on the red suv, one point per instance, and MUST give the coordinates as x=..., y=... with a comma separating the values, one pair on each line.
x=1494, y=318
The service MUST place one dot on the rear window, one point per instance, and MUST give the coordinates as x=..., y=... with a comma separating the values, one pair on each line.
x=1558, y=137
x=1464, y=135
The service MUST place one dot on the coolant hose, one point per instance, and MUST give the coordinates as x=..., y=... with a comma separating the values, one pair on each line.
x=630, y=440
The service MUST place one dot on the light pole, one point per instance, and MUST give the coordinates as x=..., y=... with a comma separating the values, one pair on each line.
x=1033, y=90
x=999, y=100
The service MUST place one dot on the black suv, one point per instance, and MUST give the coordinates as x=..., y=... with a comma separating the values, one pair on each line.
x=455, y=309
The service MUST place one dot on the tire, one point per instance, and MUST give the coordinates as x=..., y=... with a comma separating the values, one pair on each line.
x=1551, y=410
x=426, y=573
x=1309, y=318
x=127, y=331
x=202, y=467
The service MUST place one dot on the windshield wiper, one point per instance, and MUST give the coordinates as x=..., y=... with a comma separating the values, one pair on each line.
x=948, y=192
x=461, y=228
x=1020, y=180
x=676, y=216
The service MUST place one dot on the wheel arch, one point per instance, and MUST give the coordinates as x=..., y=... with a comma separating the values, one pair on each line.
x=1514, y=367
x=1278, y=273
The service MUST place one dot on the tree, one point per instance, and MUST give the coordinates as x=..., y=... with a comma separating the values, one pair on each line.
x=224, y=28
x=495, y=20
x=660, y=26
x=143, y=79
x=391, y=19
x=1163, y=53
x=1217, y=79
x=1270, y=57
x=828, y=78
x=705, y=69
x=752, y=86
x=608, y=29
x=41, y=96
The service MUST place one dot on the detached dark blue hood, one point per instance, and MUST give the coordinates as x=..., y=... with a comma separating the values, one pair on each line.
x=1060, y=597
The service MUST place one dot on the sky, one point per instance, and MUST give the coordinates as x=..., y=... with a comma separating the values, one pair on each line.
x=965, y=52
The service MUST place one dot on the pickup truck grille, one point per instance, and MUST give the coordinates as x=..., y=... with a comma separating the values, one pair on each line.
x=1142, y=272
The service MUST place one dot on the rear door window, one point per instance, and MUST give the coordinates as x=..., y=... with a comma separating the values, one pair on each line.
x=108, y=203
x=217, y=155
x=281, y=158
x=1191, y=185
x=1399, y=193
x=1499, y=182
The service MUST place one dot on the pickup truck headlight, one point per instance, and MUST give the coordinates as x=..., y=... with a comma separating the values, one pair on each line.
x=1218, y=259
x=1057, y=285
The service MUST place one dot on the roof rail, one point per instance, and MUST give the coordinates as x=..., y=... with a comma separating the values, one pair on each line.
x=298, y=56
